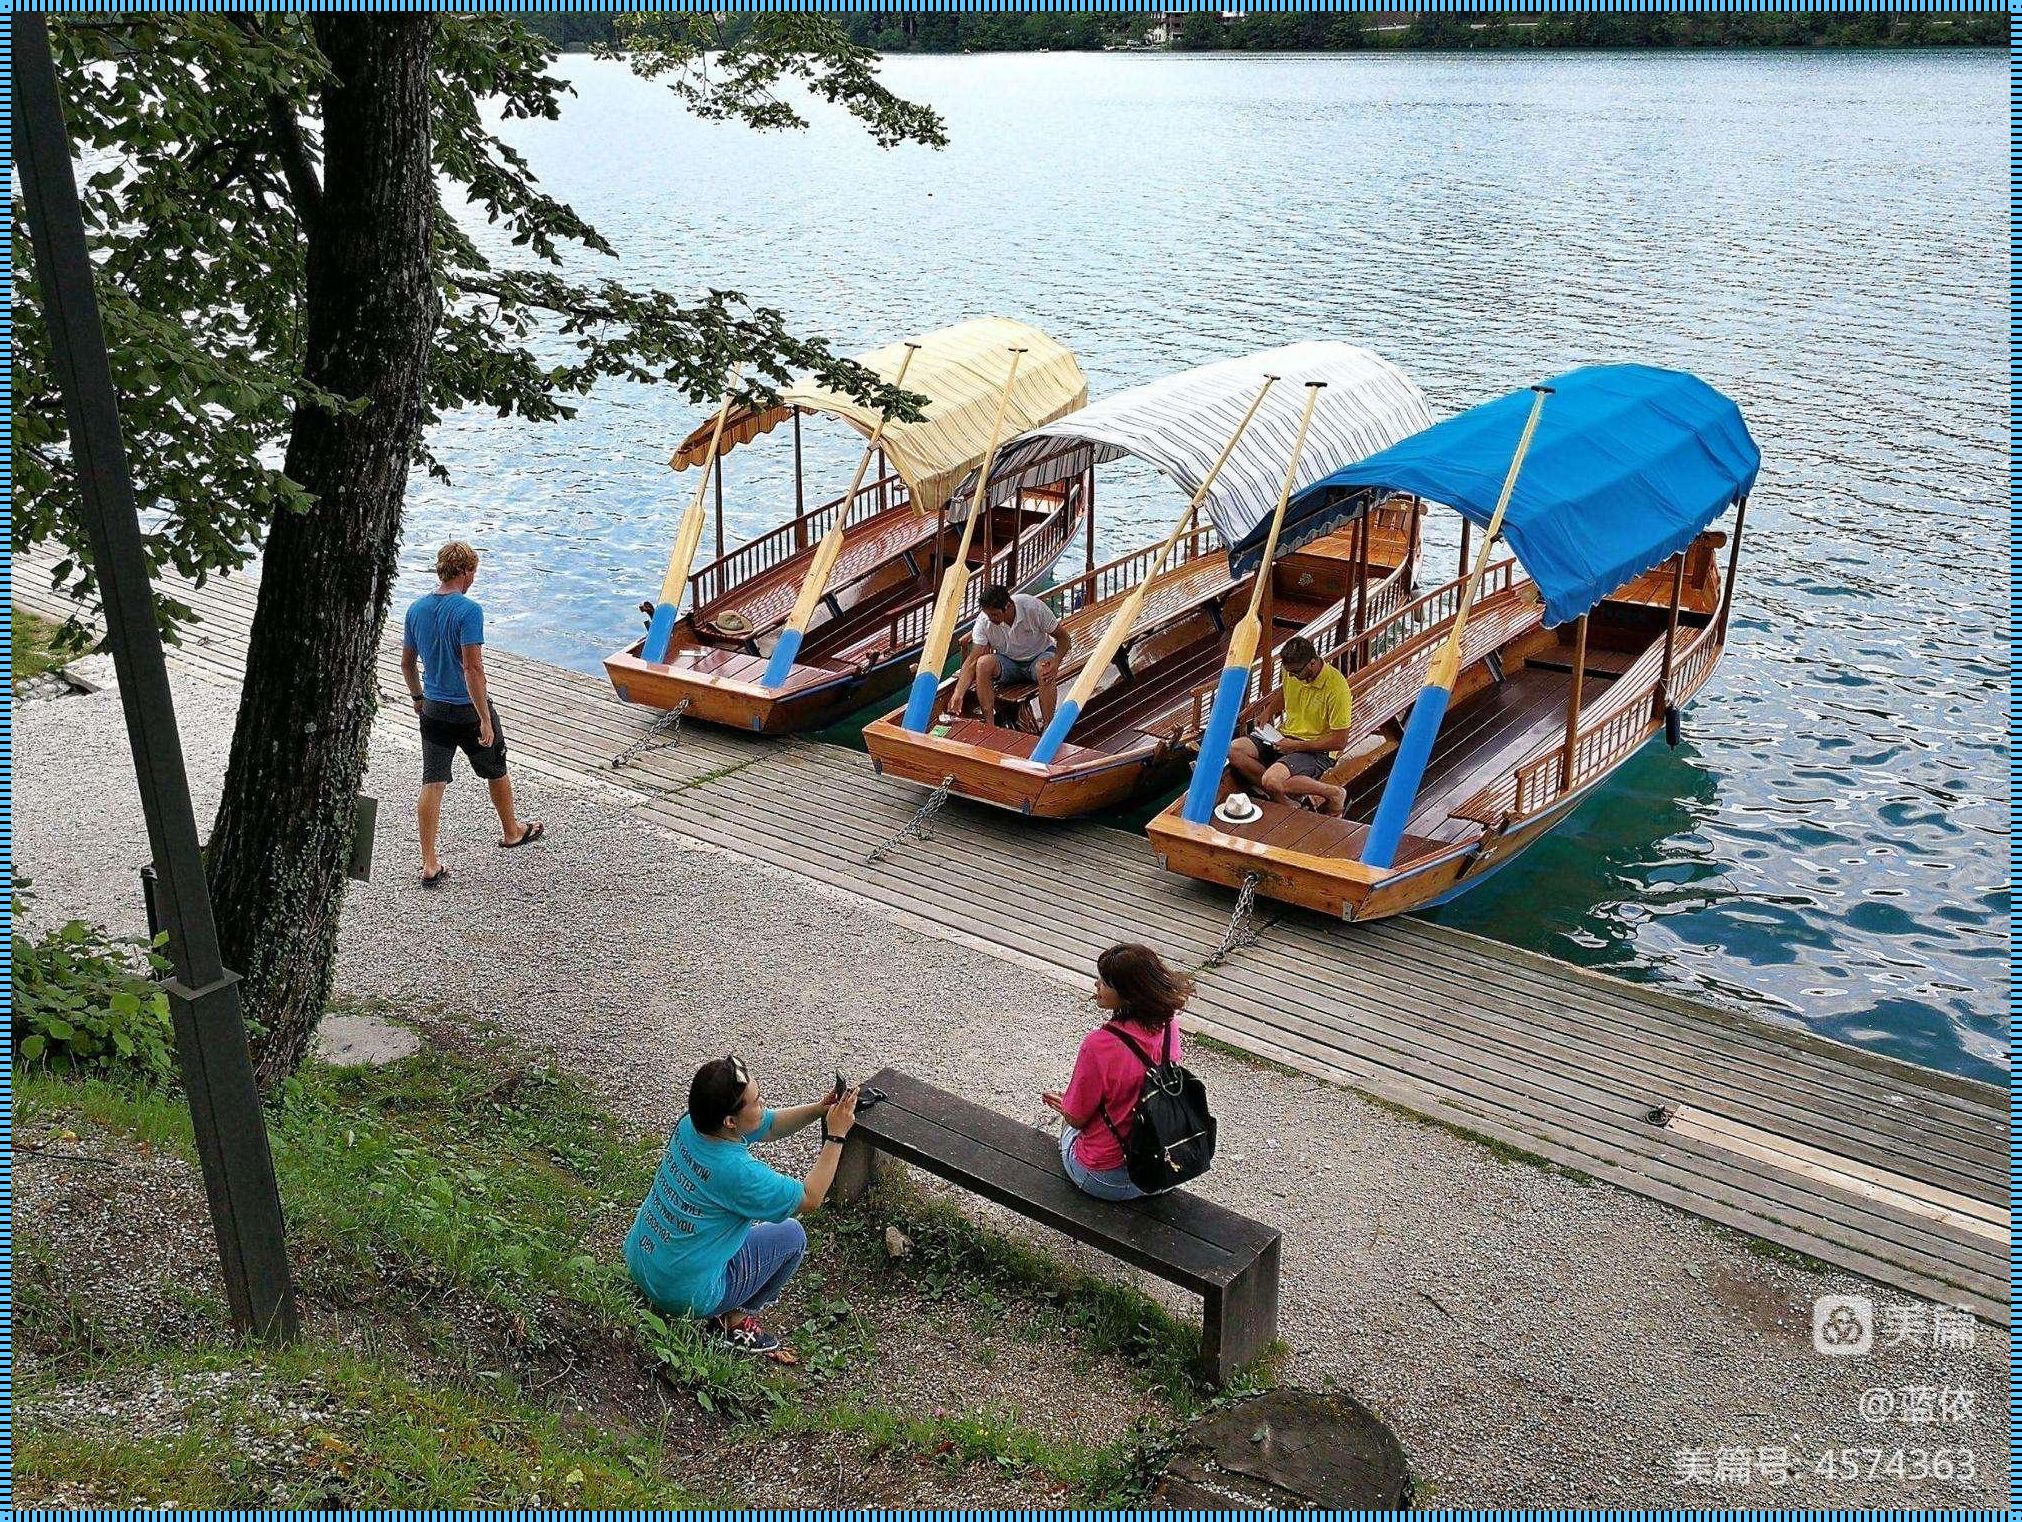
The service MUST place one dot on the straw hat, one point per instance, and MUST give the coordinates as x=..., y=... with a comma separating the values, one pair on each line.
x=1238, y=808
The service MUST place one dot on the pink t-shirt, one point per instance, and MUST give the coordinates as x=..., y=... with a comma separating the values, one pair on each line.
x=1107, y=1070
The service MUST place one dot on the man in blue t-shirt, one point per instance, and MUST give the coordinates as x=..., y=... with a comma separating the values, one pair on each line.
x=442, y=658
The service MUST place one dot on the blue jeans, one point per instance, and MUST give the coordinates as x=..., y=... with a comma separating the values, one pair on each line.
x=1103, y=1183
x=757, y=1275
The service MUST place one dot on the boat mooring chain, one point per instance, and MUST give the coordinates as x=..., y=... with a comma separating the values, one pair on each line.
x=1242, y=929
x=917, y=825
x=664, y=734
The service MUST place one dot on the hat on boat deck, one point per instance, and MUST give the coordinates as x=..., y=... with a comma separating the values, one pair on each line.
x=1238, y=808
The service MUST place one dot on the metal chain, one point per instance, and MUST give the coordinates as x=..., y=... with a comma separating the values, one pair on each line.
x=917, y=825
x=664, y=734
x=1242, y=929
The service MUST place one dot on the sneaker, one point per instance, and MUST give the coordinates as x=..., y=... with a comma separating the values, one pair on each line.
x=745, y=1335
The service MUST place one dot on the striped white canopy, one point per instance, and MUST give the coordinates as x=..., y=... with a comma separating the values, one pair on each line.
x=1181, y=423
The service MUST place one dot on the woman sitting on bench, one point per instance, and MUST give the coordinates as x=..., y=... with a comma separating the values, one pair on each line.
x=1143, y=996
x=716, y=1236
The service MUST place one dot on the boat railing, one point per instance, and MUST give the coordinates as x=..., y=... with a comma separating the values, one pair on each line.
x=1384, y=654
x=1626, y=716
x=777, y=546
x=1111, y=582
x=909, y=628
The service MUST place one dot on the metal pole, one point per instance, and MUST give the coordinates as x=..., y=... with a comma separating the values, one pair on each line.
x=1088, y=509
x=1466, y=528
x=210, y=1032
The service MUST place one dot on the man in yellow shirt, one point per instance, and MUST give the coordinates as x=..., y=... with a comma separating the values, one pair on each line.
x=1288, y=759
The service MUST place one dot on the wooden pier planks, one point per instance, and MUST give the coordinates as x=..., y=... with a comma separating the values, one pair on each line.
x=1877, y=1166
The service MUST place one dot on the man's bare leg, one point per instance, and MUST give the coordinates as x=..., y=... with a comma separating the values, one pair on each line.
x=1245, y=762
x=1333, y=797
x=502, y=800
x=1275, y=780
x=428, y=814
x=986, y=687
x=1049, y=688
x=963, y=680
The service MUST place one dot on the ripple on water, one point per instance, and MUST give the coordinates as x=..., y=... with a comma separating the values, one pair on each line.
x=1806, y=232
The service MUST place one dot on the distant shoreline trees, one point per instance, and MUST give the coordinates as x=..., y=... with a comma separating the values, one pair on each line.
x=1366, y=31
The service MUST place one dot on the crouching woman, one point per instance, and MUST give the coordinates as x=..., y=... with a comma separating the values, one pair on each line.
x=716, y=1238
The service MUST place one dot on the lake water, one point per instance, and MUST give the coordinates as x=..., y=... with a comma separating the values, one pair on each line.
x=1818, y=235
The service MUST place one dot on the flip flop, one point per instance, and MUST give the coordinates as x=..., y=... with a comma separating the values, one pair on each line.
x=532, y=830
x=436, y=881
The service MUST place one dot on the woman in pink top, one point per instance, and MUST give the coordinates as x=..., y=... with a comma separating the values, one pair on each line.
x=1143, y=996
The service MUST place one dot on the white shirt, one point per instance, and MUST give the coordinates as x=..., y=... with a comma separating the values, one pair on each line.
x=1026, y=638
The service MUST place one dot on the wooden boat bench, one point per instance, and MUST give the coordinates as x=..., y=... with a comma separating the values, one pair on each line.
x=1227, y=1259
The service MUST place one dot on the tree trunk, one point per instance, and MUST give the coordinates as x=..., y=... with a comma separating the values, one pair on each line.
x=282, y=839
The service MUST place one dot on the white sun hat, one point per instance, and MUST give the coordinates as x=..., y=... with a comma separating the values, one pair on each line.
x=1238, y=808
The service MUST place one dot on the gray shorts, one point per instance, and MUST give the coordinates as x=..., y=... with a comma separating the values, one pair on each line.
x=1300, y=763
x=1012, y=673
x=447, y=728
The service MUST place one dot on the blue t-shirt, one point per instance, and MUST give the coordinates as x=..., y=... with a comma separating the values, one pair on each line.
x=438, y=627
x=705, y=1199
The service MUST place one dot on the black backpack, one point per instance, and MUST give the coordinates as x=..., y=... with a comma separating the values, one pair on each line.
x=1172, y=1135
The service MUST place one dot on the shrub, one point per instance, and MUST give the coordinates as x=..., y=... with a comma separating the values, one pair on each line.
x=87, y=1000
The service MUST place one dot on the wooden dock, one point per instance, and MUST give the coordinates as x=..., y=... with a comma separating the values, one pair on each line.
x=1893, y=1171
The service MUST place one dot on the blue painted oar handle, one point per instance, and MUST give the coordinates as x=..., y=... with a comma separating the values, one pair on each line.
x=1400, y=792
x=660, y=634
x=783, y=653
x=1207, y=781
x=1056, y=732
x=920, y=706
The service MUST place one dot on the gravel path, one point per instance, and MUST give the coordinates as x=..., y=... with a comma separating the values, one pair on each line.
x=1534, y=1340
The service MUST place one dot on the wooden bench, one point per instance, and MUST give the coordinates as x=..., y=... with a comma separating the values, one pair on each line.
x=1227, y=1259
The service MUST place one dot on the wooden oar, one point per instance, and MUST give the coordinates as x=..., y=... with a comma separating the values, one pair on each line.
x=818, y=573
x=1400, y=792
x=955, y=581
x=1119, y=626
x=1234, y=686
x=660, y=634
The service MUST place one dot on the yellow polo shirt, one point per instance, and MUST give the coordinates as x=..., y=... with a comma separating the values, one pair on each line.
x=1314, y=708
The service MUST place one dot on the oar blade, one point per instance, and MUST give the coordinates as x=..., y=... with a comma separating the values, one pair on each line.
x=659, y=634
x=1056, y=732
x=780, y=667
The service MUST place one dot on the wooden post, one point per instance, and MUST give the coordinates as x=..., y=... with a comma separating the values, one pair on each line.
x=799, y=490
x=719, y=506
x=1733, y=563
x=1361, y=583
x=1411, y=547
x=1088, y=507
x=855, y=1170
x=1573, y=705
x=1671, y=633
x=227, y=1122
x=884, y=490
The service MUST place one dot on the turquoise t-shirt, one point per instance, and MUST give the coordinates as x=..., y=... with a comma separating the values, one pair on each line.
x=706, y=1196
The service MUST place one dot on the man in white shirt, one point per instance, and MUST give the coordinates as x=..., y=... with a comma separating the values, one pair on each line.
x=1016, y=639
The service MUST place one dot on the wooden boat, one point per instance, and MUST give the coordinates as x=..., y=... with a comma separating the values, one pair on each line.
x=1144, y=713
x=1576, y=650
x=866, y=630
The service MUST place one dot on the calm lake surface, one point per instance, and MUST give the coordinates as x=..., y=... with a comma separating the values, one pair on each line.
x=1817, y=235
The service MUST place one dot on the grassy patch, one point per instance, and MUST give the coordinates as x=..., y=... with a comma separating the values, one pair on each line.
x=314, y=1425
x=34, y=649
x=454, y=1220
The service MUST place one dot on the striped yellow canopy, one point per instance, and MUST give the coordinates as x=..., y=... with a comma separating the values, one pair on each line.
x=960, y=370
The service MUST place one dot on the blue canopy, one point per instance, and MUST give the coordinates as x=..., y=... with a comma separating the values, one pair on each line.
x=1628, y=464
